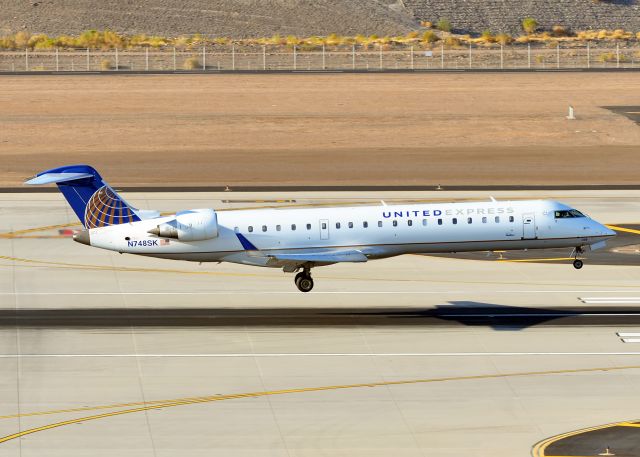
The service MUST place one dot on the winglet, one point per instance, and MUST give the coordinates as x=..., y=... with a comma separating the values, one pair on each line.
x=246, y=244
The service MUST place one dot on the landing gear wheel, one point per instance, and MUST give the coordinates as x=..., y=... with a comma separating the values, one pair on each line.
x=577, y=264
x=304, y=282
x=298, y=276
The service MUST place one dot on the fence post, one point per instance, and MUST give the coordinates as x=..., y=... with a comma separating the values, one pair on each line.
x=412, y=61
x=617, y=55
x=588, y=54
x=324, y=62
x=233, y=56
x=295, y=57
x=117, y=62
x=26, y=59
x=380, y=56
x=264, y=57
x=501, y=56
x=353, y=56
x=558, y=54
x=442, y=55
x=146, y=59
x=174, y=59
x=204, y=58
x=57, y=61
x=88, y=60
x=529, y=54
x=469, y=55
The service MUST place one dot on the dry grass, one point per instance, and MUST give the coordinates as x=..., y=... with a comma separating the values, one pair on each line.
x=108, y=40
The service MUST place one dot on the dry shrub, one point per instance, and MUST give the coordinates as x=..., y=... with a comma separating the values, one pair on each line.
x=429, y=37
x=559, y=30
x=192, y=63
x=105, y=65
x=529, y=24
x=452, y=42
x=504, y=38
x=487, y=36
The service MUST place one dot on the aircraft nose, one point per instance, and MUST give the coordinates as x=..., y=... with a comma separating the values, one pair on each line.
x=606, y=231
x=83, y=237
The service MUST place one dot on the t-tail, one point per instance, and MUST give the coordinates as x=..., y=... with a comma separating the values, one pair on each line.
x=95, y=203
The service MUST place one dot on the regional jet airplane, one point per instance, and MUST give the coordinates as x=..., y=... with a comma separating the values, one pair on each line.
x=298, y=239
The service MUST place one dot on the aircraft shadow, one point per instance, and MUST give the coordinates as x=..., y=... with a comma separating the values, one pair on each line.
x=455, y=313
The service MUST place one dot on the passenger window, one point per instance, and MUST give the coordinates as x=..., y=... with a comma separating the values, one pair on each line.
x=337, y=225
x=308, y=226
x=293, y=226
x=424, y=222
x=511, y=219
x=379, y=223
x=324, y=226
x=439, y=221
x=469, y=220
x=454, y=220
x=278, y=228
x=409, y=222
x=350, y=224
x=395, y=223
x=365, y=224
x=264, y=228
x=497, y=219
x=484, y=220
x=250, y=228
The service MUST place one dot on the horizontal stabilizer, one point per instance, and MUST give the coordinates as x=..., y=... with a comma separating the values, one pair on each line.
x=49, y=178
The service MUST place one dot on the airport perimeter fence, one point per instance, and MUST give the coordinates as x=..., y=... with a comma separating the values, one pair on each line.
x=233, y=58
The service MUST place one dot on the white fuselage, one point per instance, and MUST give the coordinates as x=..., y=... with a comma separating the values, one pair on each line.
x=375, y=231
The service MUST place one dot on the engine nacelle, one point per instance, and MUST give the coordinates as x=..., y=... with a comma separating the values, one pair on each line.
x=192, y=225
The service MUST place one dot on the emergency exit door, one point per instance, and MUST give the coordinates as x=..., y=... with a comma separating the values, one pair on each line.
x=529, y=226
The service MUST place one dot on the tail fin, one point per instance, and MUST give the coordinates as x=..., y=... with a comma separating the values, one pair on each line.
x=95, y=203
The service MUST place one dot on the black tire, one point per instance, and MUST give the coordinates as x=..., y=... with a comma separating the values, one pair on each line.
x=304, y=283
x=298, y=276
x=577, y=264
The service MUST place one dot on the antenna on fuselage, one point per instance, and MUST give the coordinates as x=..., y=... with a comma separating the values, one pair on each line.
x=493, y=199
x=383, y=203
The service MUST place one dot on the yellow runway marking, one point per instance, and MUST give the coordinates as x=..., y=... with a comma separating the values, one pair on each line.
x=622, y=229
x=628, y=424
x=190, y=401
x=540, y=448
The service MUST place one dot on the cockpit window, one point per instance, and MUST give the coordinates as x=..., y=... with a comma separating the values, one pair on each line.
x=569, y=213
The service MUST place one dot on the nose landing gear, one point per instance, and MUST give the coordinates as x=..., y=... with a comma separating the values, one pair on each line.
x=303, y=281
x=577, y=263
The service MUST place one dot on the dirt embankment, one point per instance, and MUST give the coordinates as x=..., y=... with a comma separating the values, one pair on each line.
x=324, y=129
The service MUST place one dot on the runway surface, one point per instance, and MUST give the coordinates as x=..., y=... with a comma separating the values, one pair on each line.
x=112, y=354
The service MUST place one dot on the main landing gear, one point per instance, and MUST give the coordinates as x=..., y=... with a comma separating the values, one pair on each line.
x=303, y=280
x=577, y=263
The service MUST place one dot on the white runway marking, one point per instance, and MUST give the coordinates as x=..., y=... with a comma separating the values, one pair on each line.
x=322, y=354
x=629, y=337
x=610, y=300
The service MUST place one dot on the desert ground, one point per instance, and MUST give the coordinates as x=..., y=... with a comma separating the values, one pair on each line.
x=324, y=129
